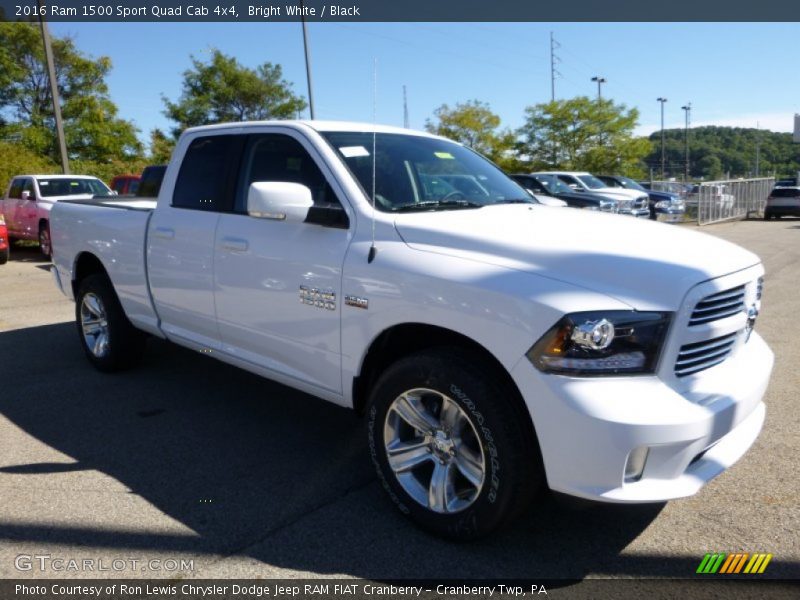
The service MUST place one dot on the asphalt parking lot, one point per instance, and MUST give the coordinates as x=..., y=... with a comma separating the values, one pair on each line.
x=188, y=459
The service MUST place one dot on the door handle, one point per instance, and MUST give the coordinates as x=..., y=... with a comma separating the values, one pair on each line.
x=235, y=244
x=165, y=233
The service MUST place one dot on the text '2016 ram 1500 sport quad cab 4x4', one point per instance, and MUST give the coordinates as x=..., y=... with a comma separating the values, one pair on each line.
x=495, y=346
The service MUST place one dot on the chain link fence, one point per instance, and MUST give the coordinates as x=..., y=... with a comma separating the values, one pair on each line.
x=715, y=201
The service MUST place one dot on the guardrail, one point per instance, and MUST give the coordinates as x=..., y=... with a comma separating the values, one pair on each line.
x=715, y=201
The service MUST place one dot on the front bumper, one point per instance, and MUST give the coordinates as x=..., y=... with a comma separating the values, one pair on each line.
x=783, y=211
x=588, y=427
x=641, y=213
x=670, y=216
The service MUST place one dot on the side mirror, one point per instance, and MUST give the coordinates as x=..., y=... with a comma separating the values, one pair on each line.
x=26, y=195
x=279, y=200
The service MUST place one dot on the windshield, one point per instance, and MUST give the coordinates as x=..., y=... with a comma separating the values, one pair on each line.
x=414, y=172
x=553, y=184
x=64, y=186
x=592, y=182
x=630, y=184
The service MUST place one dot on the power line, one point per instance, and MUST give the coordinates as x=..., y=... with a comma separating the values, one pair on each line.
x=553, y=71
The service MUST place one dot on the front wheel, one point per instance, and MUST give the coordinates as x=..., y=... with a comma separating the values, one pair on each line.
x=450, y=447
x=109, y=340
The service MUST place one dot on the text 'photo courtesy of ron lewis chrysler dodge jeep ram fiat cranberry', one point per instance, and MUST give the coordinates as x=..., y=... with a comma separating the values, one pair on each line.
x=495, y=346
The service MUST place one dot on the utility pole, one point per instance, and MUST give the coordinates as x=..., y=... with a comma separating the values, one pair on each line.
x=687, y=109
x=600, y=81
x=405, y=108
x=663, y=154
x=758, y=148
x=308, y=62
x=51, y=73
x=553, y=71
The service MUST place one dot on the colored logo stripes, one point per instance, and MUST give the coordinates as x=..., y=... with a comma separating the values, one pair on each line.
x=741, y=562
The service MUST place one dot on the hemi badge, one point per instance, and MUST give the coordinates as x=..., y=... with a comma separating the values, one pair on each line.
x=356, y=301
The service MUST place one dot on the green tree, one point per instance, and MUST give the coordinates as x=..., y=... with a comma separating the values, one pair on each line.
x=223, y=90
x=716, y=151
x=16, y=159
x=92, y=128
x=473, y=124
x=161, y=147
x=583, y=134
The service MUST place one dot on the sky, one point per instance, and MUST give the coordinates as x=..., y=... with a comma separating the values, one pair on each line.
x=736, y=74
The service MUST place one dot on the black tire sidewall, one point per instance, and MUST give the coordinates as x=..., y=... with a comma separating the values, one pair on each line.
x=44, y=228
x=124, y=342
x=481, y=398
x=5, y=254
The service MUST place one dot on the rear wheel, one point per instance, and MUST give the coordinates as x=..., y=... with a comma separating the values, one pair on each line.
x=449, y=445
x=4, y=254
x=109, y=340
x=45, y=244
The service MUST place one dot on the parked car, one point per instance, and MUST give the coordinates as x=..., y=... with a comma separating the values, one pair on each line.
x=552, y=186
x=4, y=243
x=150, y=181
x=664, y=206
x=715, y=194
x=630, y=202
x=29, y=199
x=125, y=185
x=494, y=346
x=783, y=202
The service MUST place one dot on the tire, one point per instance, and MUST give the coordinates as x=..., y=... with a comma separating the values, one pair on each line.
x=767, y=216
x=108, y=339
x=491, y=470
x=4, y=254
x=45, y=243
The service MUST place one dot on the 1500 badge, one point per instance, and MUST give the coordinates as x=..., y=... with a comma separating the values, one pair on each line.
x=319, y=298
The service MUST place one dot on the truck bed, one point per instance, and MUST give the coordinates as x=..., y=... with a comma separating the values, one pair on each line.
x=126, y=202
x=115, y=231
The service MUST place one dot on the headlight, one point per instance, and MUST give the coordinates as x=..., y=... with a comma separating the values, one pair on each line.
x=602, y=343
x=663, y=204
x=609, y=205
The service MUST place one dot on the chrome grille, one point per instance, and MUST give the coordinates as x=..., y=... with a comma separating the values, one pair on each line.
x=718, y=306
x=703, y=355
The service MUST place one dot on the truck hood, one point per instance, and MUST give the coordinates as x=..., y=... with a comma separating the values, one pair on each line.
x=668, y=196
x=618, y=193
x=647, y=265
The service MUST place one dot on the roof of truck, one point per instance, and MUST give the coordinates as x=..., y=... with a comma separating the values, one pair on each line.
x=319, y=126
x=58, y=176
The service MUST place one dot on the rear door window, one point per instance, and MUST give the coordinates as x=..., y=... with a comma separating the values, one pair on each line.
x=786, y=193
x=204, y=176
x=16, y=188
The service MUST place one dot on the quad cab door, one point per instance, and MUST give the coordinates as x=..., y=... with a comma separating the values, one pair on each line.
x=181, y=238
x=278, y=282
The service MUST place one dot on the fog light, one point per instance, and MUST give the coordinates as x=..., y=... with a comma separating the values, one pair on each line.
x=635, y=465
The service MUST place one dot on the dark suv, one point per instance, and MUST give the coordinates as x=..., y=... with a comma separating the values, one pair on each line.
x=550, y=185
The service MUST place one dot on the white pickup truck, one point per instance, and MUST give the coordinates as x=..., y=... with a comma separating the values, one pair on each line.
x=495, y=346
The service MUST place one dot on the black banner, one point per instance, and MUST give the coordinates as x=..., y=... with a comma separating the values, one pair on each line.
x=360, y=589
x=398, y=10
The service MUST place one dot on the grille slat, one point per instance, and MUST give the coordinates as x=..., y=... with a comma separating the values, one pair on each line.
x=703, y=355
x=718, y=306
x=737, y=303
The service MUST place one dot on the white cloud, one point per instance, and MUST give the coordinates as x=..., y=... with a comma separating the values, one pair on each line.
x=778, y=121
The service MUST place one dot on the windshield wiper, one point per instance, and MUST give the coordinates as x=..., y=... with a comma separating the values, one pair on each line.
x=436, y=204
x=515, y=201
